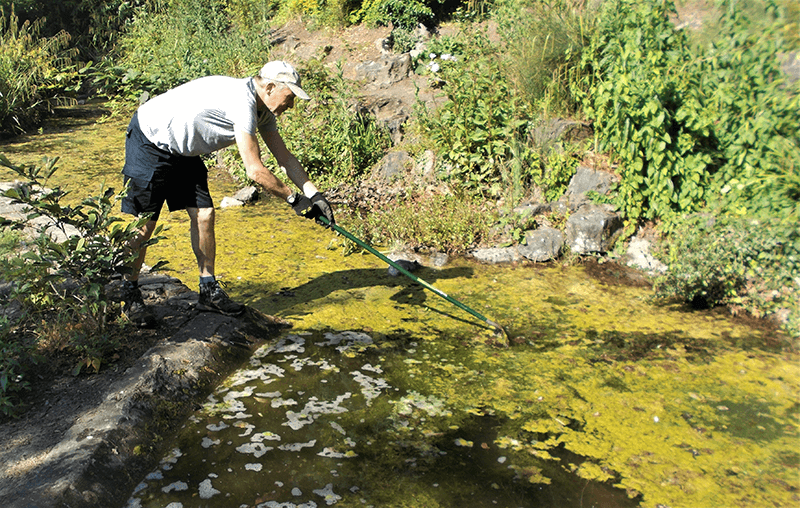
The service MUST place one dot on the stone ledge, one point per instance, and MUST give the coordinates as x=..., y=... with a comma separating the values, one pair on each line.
x=112, y=445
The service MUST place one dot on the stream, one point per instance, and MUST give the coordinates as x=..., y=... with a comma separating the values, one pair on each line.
x=383, y=394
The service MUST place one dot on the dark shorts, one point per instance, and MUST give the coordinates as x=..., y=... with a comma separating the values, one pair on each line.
x=154, y=176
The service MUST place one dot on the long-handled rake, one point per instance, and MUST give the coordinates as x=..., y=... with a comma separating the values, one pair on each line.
x=497, y=328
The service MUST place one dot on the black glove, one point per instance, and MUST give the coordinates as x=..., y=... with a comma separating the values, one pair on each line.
x=300, y=204
x=321, y=208
x=313, y=208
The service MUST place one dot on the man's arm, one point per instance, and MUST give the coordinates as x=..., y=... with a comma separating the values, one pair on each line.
x=312, y=204
x=256, y=171
x=288, y=162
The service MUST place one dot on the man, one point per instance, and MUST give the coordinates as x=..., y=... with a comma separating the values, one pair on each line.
x=167, y=136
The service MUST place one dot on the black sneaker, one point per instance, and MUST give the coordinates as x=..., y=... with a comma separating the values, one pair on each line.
x=214, y=299
x=134, y=308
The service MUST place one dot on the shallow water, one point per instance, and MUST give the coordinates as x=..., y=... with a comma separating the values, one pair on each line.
x=605, y=398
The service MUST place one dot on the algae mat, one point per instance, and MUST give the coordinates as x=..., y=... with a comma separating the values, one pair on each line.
x=603, y=387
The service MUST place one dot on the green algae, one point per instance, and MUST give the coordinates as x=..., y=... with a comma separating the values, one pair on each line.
x=602, y=385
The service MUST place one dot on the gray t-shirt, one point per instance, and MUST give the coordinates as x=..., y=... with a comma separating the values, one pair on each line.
x=202, y=116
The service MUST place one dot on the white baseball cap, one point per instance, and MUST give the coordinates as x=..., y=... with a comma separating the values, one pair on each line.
x=282, y=72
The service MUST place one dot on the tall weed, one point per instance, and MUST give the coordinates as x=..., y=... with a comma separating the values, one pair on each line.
x=445, y=223
x=33, y=71
x=544, y=43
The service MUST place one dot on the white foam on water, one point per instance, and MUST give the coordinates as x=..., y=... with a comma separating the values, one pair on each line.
x=176, y=486
x=257, y=449
x=216, y=428
x=328, y=495
x=206, y=490
x=208, y=443
x=265, y=436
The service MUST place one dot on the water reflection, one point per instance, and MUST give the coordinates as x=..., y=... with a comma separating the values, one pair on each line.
x=334, y=418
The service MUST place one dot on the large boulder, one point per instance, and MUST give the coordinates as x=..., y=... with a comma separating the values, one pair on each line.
x=587, y=179
x=592, y=229
x=542, y=244
x=385, y=71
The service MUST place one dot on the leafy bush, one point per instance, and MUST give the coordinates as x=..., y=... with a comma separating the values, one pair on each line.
x=66, y=274
x=16, y=358
x=92, y=24
x=743, y=263
x=403, y=16
x=693, y=128
x=648, y=109
x=33, y=71
x=480, y=126
x=756, y=111
x=171, y=43
x=330, y=13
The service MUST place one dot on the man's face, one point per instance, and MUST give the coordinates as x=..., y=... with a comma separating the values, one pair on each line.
x=279, y=100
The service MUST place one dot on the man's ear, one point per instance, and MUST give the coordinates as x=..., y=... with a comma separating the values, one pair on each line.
x=269, y=88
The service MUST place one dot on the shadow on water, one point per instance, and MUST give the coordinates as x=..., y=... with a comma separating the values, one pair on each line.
x=409, y=292
x=335, y=419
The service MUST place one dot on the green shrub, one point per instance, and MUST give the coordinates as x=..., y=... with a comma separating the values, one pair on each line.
x=483, y=121
x=648, y=109
x=71, y=270
x=743, y=263
x=757, y=113
x=691, y=127
x=16, y=358
x=318, y=13
x=33, y=71
x=171, y=43
x=403, y=16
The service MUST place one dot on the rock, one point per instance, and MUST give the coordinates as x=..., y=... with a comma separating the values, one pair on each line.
x=427, y=166
x=247, y=194
x=497, y=255
x=592, y=229
x=638, y=256
x=438, y=259
x=384, y=72
x=791, y=66
x=390, y=113
x=542, y=244
x=585, y=180
x=409, y=266
x=384, y=45
x=229, y=202
x=107, y=443
x=529, y=210
x=551, y=132
x=394, y=166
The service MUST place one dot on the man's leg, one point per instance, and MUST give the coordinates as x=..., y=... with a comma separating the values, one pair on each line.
x=133, y=306
x=137, y=244
x=204, y=245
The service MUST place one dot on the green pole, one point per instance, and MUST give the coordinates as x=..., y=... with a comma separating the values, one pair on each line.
x=423, y=283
